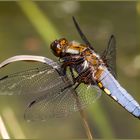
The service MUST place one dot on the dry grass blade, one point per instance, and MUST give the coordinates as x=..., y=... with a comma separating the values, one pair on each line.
x=84, y=118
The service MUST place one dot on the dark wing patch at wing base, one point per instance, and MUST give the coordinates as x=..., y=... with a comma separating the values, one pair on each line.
x=109, y=56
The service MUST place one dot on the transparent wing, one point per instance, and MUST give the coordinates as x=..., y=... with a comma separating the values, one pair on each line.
x=50, y=100
x=29, y=81
x=83, y=37
x=109, y=56
x=54, y=103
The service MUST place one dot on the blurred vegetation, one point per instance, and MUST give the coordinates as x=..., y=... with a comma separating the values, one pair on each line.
x=28, y=27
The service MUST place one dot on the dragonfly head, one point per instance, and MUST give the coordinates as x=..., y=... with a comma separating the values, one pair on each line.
x=59, y=46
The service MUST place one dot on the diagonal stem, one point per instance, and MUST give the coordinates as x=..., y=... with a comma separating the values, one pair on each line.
x=84, y=118
x=86, y=125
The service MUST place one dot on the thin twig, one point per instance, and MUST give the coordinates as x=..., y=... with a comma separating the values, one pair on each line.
x=84, y=119
x=86, y=125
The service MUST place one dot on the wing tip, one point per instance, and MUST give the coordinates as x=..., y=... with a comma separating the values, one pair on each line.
x=4, y=77
x=74, y=20
x=112, y=37
x=29, y=106
x=73, y=17
x=33, y=102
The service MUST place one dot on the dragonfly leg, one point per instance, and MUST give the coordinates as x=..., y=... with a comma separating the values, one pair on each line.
x=86, y=77
x=60, y=72
x=70, y=62
x=69, y=86
x=83, y=75
x=72, y=74
x=77, y=86
x=74, y=81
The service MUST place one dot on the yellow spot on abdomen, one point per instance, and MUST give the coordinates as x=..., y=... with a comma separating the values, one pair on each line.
x=100, y=85
x=107, y=91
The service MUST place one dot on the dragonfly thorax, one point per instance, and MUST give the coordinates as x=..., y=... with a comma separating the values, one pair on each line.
x=76, y=55
x=75, y=48
x=62, y=47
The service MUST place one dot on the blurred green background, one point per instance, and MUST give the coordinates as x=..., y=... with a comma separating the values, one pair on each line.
x=28, y=27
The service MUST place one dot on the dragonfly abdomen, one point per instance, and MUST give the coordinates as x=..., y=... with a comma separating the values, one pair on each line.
x=118, y=93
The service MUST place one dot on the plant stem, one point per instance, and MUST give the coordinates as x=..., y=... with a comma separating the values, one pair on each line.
x=84, y=118
x=86, y=125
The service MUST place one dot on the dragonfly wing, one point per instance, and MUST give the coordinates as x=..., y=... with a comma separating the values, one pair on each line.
x=83, y=37
x=29, y=81
x=54, y=103
x=87, y=94
x=51, y=104
x=109, y=56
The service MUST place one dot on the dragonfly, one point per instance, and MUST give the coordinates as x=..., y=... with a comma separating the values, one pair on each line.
x=78, y=79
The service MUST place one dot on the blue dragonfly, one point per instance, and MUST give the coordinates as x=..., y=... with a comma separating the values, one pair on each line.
x=76, y=80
